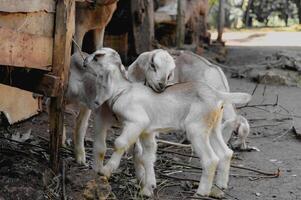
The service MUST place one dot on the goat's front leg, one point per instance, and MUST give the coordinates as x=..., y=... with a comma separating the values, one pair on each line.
x=243, y=132
x=103, y=120
x=230, y=123
x=129, y=136
x=98, y=37
x=227, y=128
x=198, y=134
x=81, y=126
x=149, y=146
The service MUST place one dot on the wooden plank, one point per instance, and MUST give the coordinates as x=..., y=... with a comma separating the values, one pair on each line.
x=64, y=29
x=97, y=2
x=27, y=5
x=37, y=81
x=18, y=104
x=37, y=23
x=143, y=24
x=25, y=50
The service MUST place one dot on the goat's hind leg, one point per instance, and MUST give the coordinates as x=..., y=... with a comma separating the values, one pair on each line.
x=198, y=134
x=149, y=147
x=225, y=154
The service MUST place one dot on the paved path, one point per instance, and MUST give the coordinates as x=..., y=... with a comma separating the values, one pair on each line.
x=288, y=39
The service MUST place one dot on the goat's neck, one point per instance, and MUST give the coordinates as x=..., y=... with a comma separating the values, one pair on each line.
x=136, y=71
x=119, y=86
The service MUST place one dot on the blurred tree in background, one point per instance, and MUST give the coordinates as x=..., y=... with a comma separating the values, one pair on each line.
x=249, y=13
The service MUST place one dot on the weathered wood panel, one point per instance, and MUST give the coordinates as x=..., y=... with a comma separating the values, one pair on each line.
x=27, y=5
x=38, y=23
x=17, y=104
x=64, y=29
x=25, y=50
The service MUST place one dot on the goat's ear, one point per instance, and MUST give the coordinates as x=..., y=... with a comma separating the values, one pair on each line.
x=99, y=54
x=123, y=71
x=152, y=62
x=152, y=57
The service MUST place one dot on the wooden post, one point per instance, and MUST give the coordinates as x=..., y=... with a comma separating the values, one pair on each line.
x=143, y=24
x=221, y=20
x=180, y=37
x=64, y=30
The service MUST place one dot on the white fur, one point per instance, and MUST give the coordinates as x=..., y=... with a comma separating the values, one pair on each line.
x=140, y=71
x=195, y=108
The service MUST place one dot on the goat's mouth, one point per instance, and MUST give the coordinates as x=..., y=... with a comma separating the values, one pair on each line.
x=158, y=89
x=235, y=131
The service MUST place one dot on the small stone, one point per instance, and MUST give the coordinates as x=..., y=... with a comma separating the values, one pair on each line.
x=258, y=194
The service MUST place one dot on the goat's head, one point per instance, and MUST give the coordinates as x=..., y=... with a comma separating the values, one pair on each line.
x=159, y=69
x=106, y=62
x=82, y=82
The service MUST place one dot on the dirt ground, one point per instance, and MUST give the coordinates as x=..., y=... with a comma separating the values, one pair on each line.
x=24, y=173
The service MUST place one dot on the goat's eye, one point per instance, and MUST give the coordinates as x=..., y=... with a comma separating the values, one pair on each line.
x=169, y=76
x=94, y=58
x=153, y=67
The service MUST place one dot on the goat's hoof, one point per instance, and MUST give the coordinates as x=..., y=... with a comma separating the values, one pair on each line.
x=80, y=157
x=147, y=192
x=106, y=171
x=97, y=168
x=81, y=160
x=217, y=193
x=197, y=195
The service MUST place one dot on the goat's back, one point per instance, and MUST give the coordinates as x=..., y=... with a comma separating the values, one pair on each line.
x=191, y=67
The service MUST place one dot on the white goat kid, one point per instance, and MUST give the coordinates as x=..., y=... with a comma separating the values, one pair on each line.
x=155, y=70
x=191, y=107
x=191, y=67
x=82, y=91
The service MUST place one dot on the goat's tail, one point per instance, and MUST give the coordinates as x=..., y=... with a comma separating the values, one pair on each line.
x=234, y=97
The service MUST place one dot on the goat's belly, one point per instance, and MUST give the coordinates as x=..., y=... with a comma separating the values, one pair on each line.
x=165, y=129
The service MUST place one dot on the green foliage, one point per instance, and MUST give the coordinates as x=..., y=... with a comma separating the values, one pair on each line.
x=264, y=10
x=213, y=2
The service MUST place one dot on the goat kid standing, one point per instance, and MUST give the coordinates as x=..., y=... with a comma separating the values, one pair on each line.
x=154, y=70
x=192, y=67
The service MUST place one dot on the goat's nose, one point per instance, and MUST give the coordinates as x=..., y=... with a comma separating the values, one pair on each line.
x=161, y=85
x=97, y=103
